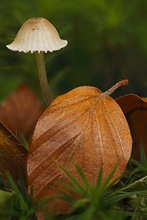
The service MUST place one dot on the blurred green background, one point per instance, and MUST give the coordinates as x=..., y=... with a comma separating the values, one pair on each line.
x=107, y=41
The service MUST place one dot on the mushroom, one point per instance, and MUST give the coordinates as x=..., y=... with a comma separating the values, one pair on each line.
x=38, y=35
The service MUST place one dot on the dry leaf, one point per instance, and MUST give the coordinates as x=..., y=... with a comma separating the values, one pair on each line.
x=21, y=111
x=84, y=126
x=12, y=155
x=135, y=110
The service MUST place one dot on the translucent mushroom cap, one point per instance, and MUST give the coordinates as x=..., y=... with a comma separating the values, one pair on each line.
x=37, y=34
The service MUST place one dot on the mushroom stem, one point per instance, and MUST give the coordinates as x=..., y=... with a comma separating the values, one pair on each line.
x=43, y=77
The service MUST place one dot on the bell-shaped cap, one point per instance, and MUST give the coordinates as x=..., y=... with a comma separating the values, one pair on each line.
x=37, y=34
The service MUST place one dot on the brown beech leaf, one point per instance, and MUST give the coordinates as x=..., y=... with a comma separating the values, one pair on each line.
x=21, y=111
x=135, y=110
x=13, y=155
x=84, y=126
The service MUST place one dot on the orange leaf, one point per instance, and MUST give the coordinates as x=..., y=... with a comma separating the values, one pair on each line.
x=21, y=111
x=85, y=126
x=12, y=155
x=135, y=110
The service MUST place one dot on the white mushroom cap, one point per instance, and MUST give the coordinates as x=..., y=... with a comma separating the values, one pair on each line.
x=37, y=34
